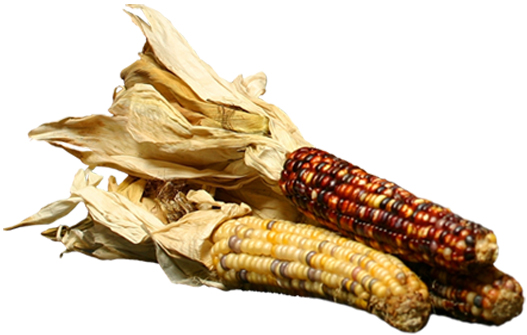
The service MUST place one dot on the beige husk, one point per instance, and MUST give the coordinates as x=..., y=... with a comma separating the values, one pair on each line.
x=174, y=119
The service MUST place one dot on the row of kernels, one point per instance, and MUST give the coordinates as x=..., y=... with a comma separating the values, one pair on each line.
x=303, y=230
x=315, y=233
x=356, y=247
x=220, y=247
x=294, y=239
x=225, y=230
x=326, y=247
x=298, y=229
x=395, y=287
x=332, y=265
x=260, y=279
x=343, y=253
x=286, y=252
x=258, y=264
x=276, y=238
x=298, y=285
x=244, y=261
x=381, y=274
x=280, y=226
x=256, y=247
x=318, y=260
x=366, y=262
x=331, y=280
x=308, y=244
x=413, y=282
x=257, y=233
x=230, y=276
x=349, y=298
x=379, y=290
x=298, y=271
x=254, y=222
x=242, y=231
x=236, y=261
x=284, y=283
x=315, y=287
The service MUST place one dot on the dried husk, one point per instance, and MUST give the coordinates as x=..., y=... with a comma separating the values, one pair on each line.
x=175, y=120
x=123, y=224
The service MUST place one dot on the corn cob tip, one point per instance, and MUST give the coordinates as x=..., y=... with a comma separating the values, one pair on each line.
x=486, y=295
x=508, y=306
x=487, y=249
x=409, y=312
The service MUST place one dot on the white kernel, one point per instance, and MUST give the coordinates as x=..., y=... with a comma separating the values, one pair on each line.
x=475, y=310
x=447, y=253
x=470, y=297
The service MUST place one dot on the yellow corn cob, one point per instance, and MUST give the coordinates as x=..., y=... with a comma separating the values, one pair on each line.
x=297, y=259
x=486, y=295
x=381, y=214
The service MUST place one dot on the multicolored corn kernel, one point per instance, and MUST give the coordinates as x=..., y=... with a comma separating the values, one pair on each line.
x=298, y=259
x=345, y=198
x=486, y=295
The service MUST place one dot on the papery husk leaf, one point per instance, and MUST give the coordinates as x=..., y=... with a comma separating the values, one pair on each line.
x=120, y=226
x=174, y=52
x=148, y=71
x=119, y=214
x=98, y=241
x=181, y=270
x=264, y=202
x=190, y=235
x=149, y=138
x=177, y=119
x=60, y=208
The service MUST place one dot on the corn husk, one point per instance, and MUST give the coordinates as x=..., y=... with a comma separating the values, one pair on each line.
x=173, y=121
x=123, y=224
x=175, y=118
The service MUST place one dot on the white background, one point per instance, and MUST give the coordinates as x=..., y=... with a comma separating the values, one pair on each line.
x=431, y=95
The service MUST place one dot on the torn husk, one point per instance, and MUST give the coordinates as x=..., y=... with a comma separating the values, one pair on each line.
x=175, y=118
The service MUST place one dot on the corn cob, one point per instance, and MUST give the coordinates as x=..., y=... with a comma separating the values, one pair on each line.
x=297, y=259
x=486, y=295
x=379, y=213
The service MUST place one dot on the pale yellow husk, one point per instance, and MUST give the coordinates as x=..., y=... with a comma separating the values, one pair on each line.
x=173, y=119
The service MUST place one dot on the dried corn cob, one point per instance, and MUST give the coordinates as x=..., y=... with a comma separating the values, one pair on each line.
x=486, y=295
x=280, y=256
x=379, y=213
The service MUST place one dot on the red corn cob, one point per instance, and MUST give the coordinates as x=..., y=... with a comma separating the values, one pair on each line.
x=381, y=214
x=486, y=295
